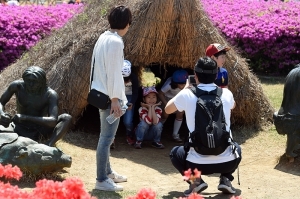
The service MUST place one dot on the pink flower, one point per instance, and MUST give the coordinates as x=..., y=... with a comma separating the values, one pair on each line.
x=197, y=173
x=10, y=172
x=236, y=197
x=187, y=174
x=144, y=193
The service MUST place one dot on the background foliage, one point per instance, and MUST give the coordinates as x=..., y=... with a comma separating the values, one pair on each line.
x=21, y=27
x=266, y=32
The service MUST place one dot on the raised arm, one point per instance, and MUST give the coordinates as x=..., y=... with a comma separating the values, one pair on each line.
x=8, y=93
x=5, y=118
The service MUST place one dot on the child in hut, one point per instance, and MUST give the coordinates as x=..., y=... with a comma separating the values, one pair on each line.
x=131, y=90
x=218, y=53
x=171, y=87
x=150, y=127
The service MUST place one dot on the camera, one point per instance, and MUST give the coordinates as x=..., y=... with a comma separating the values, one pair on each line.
x=192, y=80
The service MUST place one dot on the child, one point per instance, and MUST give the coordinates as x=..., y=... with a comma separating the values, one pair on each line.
x=171, y=87
x=150, y=127
x=131, y=90
x=218, y=53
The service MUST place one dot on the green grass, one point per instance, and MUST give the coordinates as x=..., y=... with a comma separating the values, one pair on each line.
x=273, y=89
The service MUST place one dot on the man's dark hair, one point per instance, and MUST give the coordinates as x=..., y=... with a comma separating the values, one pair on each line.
x=173, y=84
x=222, y=52
x=206, y=70
x=119, y=17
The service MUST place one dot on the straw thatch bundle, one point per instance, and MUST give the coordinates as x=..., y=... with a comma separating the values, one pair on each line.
x=174, y=32
x=177, y=32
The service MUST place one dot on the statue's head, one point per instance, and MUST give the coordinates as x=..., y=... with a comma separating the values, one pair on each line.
x=35, y=79
x=291, y=93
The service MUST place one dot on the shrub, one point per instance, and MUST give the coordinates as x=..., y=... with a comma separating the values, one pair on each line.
x=71, y=188
x=267, y=32
x=21, y=27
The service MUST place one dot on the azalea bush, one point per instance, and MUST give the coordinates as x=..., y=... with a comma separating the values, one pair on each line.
x=71, y=188
x=144, y=193
x=21, y=27
x=267, y=32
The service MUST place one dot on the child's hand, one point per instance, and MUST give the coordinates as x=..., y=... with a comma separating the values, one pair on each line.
x=158, y=104
x=145, y=105
x=129, y=106
x=187, y=84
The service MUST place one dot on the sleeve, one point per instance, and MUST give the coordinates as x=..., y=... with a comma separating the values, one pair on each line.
x=114, y=63
x=143, y=112
x=158, y=112
x=135, y=87
x=225, y=76
x=229, y=96
x=180, y=101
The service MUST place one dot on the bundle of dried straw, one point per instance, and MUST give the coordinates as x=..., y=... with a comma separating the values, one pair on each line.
x=173, y=32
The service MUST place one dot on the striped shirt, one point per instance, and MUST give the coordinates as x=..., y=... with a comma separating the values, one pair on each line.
x=143, y=112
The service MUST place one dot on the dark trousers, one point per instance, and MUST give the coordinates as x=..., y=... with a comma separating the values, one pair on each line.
x=178, y=159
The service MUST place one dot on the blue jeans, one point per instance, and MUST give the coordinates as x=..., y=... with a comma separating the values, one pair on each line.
x=145, y=131
x=128, y=118
x=107, y=135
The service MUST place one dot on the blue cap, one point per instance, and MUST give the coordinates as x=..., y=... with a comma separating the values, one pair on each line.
x=180, y=76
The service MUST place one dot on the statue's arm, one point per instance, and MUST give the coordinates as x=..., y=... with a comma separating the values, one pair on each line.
x=5, y=118
x=51, y=119
x=8, y=93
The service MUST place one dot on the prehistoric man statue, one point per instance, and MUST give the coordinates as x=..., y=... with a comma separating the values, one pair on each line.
x=286, y=120
x=37, y=108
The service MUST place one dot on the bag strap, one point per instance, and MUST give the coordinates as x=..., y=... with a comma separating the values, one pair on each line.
x=92, y=73
x=198, y=92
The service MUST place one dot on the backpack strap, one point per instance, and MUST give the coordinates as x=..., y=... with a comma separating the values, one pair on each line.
x=198, y=92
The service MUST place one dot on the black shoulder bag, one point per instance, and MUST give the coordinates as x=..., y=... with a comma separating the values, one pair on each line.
x=97, y=98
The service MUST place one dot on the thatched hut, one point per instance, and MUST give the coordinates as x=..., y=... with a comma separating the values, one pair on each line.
x=168, y=32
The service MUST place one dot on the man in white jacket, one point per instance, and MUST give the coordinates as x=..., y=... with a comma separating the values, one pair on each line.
x=107, y=60
x=224, y=163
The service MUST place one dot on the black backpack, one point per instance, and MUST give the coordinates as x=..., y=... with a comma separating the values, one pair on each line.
x=210, y=136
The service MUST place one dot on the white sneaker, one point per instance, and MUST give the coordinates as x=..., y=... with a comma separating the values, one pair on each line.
x=117, y=177
x=108, y=185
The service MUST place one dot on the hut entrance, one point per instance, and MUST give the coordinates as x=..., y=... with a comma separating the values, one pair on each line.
x=90, y=123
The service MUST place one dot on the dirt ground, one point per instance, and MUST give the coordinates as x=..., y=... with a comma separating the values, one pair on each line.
x=264, y=172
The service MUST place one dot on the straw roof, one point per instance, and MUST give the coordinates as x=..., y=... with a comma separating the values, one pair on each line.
x=173, y=32
x=177, y=32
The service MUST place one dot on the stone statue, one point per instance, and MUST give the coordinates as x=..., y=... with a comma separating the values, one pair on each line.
x=31, y=156
x=287, y=119
x=37, y=108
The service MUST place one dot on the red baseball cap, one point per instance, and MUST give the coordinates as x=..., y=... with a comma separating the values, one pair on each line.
x=215, y=48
